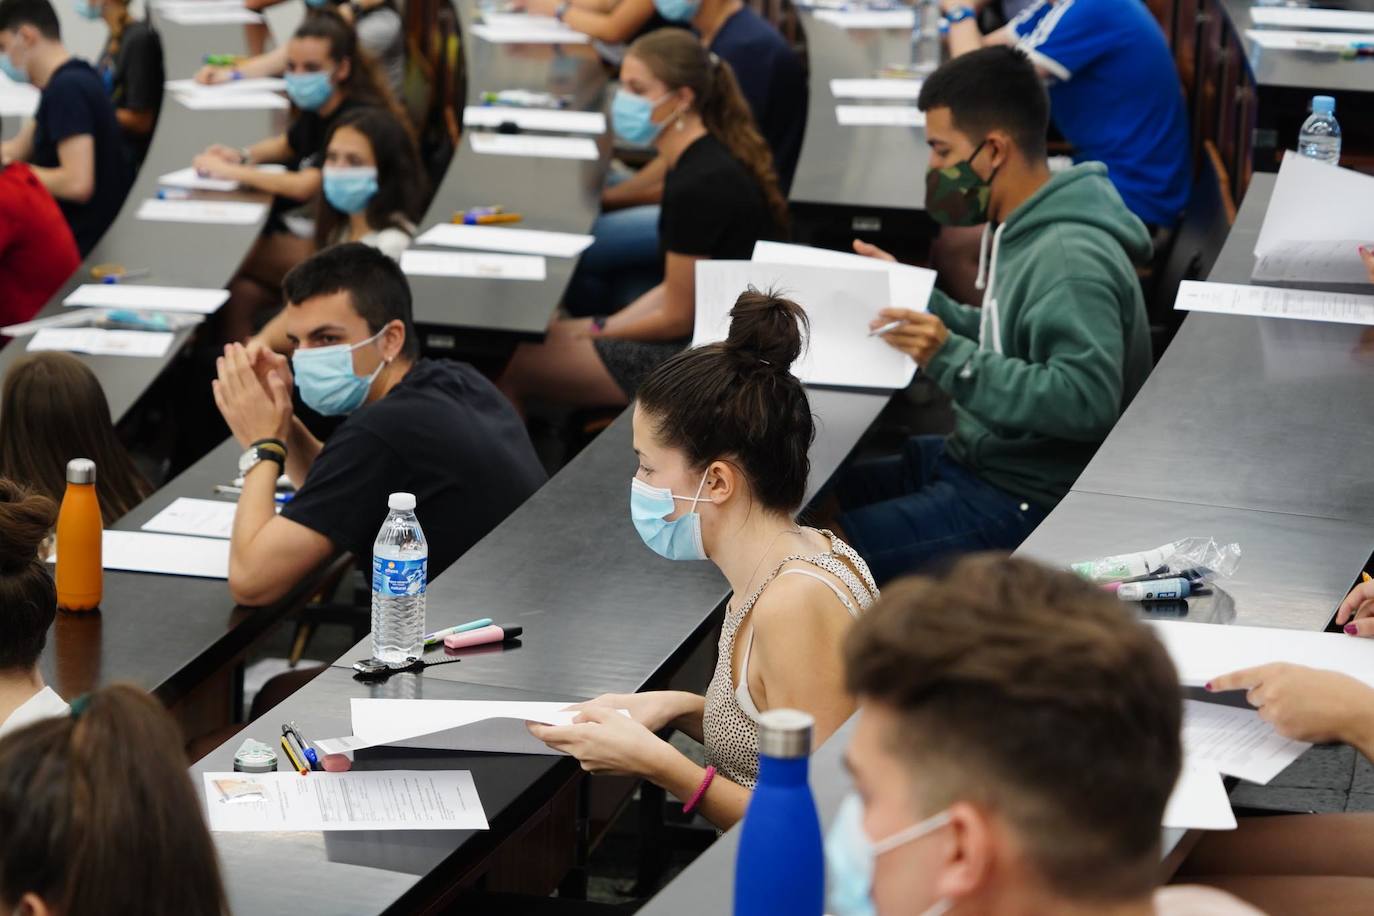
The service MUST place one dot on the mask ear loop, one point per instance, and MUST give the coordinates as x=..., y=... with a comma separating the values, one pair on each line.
x=909, y=834
x=701, y=486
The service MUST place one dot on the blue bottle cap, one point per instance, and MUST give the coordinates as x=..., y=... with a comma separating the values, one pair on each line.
x=1323, y=104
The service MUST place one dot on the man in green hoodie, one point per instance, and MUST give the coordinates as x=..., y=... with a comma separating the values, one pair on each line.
x=1039, y=375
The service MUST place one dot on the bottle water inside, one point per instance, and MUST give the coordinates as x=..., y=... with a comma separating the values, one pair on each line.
x=1320, y=137
x=400, y=570
x=926, y=45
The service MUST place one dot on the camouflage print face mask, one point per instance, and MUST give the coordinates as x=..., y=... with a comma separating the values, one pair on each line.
x=956, y=196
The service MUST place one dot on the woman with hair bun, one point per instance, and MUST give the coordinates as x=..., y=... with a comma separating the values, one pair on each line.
x=722, y=433
x=28, y=604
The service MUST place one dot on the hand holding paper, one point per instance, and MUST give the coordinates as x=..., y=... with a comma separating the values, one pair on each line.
x=1307, y=704
x=605, y=740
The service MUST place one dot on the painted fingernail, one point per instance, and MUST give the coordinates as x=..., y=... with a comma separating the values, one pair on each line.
x=1352, y=629
x=1207, y=686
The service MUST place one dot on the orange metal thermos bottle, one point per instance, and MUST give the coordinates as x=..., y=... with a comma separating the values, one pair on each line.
x=79, y=571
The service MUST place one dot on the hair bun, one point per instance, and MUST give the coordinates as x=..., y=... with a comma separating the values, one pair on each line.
x=766, y=328
x=26, y=519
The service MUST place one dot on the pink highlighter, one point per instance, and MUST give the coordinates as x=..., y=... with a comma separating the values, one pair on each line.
x=482, y=637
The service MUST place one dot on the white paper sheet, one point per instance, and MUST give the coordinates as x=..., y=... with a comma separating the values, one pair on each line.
x=530, y=36
x=1313, y=201
x=1272, y=302
x=165, y=554
x=162, y=298
x=500, y=238
x=1199, y=801
x=528, y=145
x=910, y=286
x=215, y=16
x=876, y=89
x=66, y=319
x=1284, y=40
x=209, y=518
x=250, y=84
x=175, y=6
x=1236, y=741
x=192, y=180
x=482, y=266
x=358, y=800
x=218, y=212
x=879, y=116
x=17, y=99
x=103, y=342
x=1202, y=651
x=231, y=101
x=1312, y=261
x=869, y=19
x=839, y=303
x=573, y=122
x=1301, y=18
x=456, y=725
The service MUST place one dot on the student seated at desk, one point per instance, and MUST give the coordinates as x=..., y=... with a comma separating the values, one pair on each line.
x=52, y=409
x=381, y=35
x=625, y=259
x=1313, y=863
x=326, y=79
x=374, y=191
x=132, y=70
x=611, y=21
x=1017, y=740
x=720, y=196
x=434, y=428
x=37, y=250
x=1039, y=375
x=28, y=606
x=73, y=141
x=722, y=433
x=101, y=817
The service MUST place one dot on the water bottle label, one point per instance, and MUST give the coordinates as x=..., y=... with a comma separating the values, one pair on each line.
x=399, y=578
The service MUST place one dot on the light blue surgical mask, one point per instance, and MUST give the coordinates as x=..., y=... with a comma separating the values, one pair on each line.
x=13, y=72
x=678, y=10
x=325, y=376
x=309, y=91
x=350, y=189
x=632, y=117
x=679, y=539
x=88, y=10
x=316, y=4
x=850, y=855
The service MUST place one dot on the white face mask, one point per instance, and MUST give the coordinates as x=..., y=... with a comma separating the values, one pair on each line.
x=850, y=856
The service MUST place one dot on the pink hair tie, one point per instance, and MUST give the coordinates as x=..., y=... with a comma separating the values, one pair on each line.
x=701, y=790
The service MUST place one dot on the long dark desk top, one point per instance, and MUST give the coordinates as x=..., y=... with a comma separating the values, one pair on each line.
x=557, y=195
x=880, y=167
x=1318, y=71
x=176, y=254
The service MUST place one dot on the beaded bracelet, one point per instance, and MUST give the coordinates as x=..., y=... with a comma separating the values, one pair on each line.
x=701, y=790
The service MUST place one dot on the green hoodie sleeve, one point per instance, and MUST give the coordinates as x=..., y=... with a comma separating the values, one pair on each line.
x=1071, y=386
x=959, y=318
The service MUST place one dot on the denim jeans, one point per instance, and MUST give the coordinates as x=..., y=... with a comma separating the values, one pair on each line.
x=902, y=511
x=621, y=265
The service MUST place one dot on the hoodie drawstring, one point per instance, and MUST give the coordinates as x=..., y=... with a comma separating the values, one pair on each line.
x=990, y=323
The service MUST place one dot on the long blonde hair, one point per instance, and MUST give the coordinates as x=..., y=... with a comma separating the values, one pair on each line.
x=676, y=58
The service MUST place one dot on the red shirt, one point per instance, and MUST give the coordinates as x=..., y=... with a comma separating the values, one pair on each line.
x=37, y=250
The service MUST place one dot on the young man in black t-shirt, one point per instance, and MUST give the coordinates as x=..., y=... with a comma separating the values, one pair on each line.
x=73, y=142
x=434, y=428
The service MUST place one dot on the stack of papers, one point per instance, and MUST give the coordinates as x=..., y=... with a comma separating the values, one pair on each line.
x=209, y=518
x=869, y=19
x=192, y=180
x=17, y=99
x=251, y=84
x=498, y=238
x=522, y=28
x=1302, y=18
x=879, y=116
x=876, y=89
x=102, y=342
x=1202, y=651
x=382, y=800
x=1284, y=40
x=1317, y=216
x=494, y=727
x=551, y=119
x=206, y=12
x=165, y=554
x=162, y=298
x=219, y=212
x=528, y=145
x=480, y=266
x=1272, y=302
x=231, y=101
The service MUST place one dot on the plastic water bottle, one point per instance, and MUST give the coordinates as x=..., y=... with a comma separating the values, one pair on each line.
x=926, y=45
x=1320, y=137
x=780, y=867
x=400, y=570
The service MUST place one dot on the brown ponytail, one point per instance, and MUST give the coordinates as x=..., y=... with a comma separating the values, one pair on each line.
x=100, y=816
x=678, y=59
x=739, y=400
x=28, y=598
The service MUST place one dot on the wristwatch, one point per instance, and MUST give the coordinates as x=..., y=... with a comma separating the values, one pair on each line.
x=263, y=450
x=955, y=16
x=561, y=10
x=599, y=323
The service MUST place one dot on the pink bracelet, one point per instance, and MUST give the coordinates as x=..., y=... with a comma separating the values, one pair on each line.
x=701, y=790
